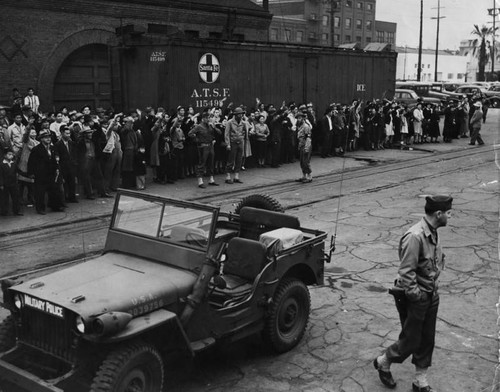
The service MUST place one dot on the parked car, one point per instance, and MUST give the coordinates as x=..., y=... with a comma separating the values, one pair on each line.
x=410, y=97
x=174, y=276
x=423, y=89
x=492, y=96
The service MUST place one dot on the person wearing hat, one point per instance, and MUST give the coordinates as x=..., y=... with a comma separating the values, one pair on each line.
x=43, y=166
x=475, y=124
x=204, y=136
x=416, y=294
x=234, y=138
x=304, y=135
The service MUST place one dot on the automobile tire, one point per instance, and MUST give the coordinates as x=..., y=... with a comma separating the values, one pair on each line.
x=7, y=334
x=262, y=201
x=133, y=367
x=288, y=315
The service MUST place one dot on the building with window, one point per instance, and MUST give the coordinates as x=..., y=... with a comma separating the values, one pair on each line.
x=329, y=22
x=452, y=66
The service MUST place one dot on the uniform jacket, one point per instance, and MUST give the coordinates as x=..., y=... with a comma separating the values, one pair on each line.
x=421, y=260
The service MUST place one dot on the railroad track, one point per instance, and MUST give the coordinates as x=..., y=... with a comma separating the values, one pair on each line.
x=280, y=190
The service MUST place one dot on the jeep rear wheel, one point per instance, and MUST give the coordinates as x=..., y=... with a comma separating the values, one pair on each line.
x=135, y=367
x=261, y=201
x=7, y=334
x=288, y=315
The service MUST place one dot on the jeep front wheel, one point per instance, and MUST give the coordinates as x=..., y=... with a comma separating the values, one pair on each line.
x=7, y=334
x=288, y=315
x=135, y=367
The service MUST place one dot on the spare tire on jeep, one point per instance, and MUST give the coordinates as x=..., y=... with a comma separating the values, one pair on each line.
x=262, y=201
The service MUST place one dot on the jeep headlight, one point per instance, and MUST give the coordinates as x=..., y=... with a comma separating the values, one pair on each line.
x=18, y=302
x=80, y=325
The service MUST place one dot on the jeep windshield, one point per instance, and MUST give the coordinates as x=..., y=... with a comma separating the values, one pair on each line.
x=167, y=220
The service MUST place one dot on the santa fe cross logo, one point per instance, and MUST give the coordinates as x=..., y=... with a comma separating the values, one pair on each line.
x=209, y=68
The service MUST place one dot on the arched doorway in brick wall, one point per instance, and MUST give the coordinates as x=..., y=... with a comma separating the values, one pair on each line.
x=84, y=78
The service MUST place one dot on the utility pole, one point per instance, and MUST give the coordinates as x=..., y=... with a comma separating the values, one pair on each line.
x=419, y=70
x=493, y=13
x=437, y=39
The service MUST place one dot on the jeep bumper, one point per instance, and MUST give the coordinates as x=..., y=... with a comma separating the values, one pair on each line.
x=24, y=379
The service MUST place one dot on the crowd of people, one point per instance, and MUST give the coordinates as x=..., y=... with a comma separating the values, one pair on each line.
x=51, y=157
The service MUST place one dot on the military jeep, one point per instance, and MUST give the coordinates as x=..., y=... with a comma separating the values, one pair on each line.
x=175, y=276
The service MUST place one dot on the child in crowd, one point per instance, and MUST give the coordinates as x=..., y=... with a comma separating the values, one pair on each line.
x=8, y=185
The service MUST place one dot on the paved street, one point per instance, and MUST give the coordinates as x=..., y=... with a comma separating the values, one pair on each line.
x=353, y=317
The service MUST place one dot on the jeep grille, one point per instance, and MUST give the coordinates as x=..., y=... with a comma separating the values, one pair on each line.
x=48, y=333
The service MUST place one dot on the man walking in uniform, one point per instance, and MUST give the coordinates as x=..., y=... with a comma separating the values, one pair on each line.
x=416, y=295
x=475, y=123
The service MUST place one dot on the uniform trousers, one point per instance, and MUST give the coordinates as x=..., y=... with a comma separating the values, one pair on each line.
x=418, y=323
x=205, y=160
x=235, y=157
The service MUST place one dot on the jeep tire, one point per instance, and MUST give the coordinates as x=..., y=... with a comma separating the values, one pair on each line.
x=133, y=367
x=261, y=201
x=288, y=315
x=7, y=334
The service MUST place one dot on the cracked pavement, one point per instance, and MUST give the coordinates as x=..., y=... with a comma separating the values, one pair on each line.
x=353, y=318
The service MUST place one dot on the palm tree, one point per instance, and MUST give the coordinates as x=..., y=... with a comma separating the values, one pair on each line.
x=480, y=48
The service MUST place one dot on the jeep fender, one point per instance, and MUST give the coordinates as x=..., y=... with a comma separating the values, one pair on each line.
x=161, y=321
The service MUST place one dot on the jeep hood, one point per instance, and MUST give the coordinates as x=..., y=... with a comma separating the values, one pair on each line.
x=111, y=282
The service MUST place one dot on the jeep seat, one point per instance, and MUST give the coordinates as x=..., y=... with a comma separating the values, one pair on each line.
x=255, y=221
x=245, y=258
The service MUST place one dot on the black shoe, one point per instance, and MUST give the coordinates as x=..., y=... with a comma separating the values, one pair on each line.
x=19, y=213
x=238, y=181
x=40, y=212
x=228, y=181
x=73, y=201
x=421, y=389
x=213, y=183
x=472, y=144
x=90, y=198
x=202, y=186
x=105, y=195
x=385, y=377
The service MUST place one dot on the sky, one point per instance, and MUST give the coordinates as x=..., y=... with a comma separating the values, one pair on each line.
x=459, y=21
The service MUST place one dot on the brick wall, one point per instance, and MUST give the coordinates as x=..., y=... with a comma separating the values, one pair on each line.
x=37, y=35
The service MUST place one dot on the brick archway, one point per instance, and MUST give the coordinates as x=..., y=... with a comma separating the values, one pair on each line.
x=67, y=46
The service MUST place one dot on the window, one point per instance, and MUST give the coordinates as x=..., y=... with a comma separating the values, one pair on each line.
x=368, y=40
x=190, y=34
x=390, y=37
x=274, y=35
x=299, y=36
x=347, y=38
x=348, y=3
x=336, y=21
x=358, y=38
x=348, y=23
x=369, y=25
x=428, y=66
x=336, y=37
x=369, y=6
x=324, y=37
x=336, y=4
x=380, y=36
x=359, y=24
x=325, y=21
x=288, y=35
x=359, y=5
x=460, y=76
x=214, y=35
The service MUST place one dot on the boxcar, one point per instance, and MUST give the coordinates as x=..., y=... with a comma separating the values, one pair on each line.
x=208, y=73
